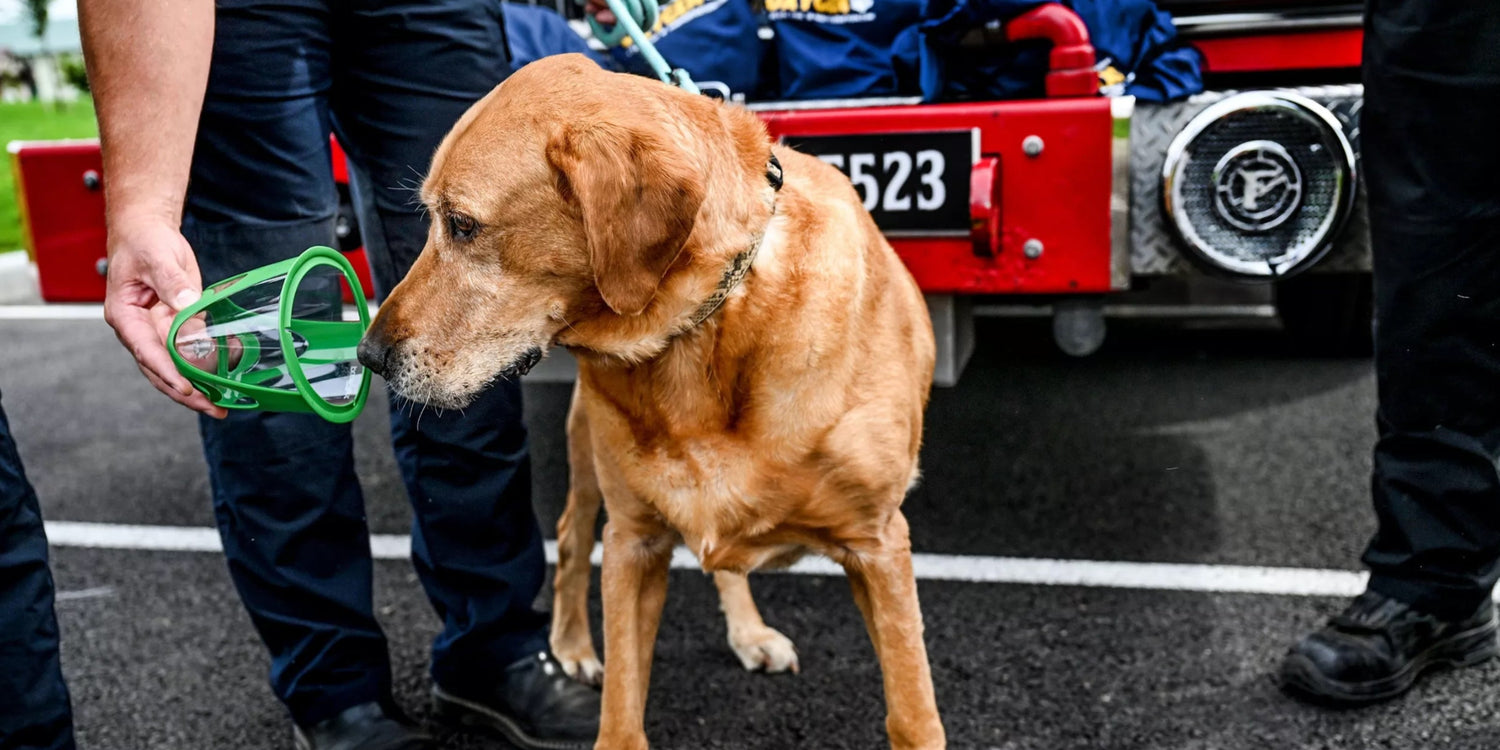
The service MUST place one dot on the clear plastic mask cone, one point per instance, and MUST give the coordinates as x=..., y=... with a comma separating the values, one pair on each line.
x=238, y=337
x=278, y=338
x=323, y=342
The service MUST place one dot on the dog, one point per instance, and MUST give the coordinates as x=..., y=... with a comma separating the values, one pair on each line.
x=754, y=360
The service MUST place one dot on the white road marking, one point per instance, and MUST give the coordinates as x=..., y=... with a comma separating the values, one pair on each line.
x=928, y=567
x=93, y=593
x=84, y=311
x=125, y=536
x=51, y=312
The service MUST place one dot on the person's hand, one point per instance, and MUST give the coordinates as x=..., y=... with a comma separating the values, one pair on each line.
x=152, y=276
x=601, y=12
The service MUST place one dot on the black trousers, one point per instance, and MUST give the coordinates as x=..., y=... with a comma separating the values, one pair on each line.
x=34, y=710
x=1431, y=154
x=390, y=77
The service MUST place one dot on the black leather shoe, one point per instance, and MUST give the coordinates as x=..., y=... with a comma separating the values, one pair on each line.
x=535, y=705
x=363, y=727
x=1378, y=648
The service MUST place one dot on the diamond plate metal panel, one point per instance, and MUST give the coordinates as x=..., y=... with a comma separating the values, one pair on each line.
x=1154, y=249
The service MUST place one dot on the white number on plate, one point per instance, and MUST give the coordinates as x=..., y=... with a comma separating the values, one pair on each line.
x=895, y=169
x=932, y=179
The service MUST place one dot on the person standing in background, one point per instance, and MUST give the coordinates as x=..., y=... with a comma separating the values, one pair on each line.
x=1431, y=158
x=35, y=712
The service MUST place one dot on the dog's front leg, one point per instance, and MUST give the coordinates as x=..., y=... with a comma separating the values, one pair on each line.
x=758, y=646
x=571, y=641
x=636, y=560
x=886, y=591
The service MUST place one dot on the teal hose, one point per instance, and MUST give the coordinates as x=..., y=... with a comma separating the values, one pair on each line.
x=631, y=16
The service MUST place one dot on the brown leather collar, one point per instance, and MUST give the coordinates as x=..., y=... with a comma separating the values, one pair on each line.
x=739, y=265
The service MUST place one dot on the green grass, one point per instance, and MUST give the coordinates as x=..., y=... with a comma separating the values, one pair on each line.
x=33, y=121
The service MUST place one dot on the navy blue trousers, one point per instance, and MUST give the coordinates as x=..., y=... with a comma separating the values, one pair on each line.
x=389, y=78
x=1431, y=158
x=34, y=710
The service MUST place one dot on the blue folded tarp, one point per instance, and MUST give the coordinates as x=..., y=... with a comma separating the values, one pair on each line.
x=863, y=48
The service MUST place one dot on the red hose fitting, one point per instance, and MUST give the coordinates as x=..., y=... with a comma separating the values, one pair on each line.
x=1072, y=59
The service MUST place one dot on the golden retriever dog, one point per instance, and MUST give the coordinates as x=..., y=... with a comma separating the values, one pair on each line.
x=753, y=358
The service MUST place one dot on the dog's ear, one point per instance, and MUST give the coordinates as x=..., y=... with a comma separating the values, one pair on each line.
x=638, y=196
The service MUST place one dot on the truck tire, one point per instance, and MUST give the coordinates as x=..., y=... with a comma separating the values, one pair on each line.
x=1328, y=314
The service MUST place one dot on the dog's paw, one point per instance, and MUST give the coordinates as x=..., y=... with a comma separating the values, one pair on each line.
x=586, y=668
x=764, y=649
x=636, y=741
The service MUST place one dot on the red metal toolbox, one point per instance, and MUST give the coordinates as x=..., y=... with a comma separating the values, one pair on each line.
x=60, y=188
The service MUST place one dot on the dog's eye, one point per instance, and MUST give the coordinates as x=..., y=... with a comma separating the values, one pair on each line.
x=462, y=227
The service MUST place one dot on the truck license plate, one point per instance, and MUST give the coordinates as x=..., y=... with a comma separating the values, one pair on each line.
x=912, y=183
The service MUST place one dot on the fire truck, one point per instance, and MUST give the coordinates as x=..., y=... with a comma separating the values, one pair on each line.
x=1243, y=200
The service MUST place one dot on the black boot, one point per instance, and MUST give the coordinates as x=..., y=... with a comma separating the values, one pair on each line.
x=363, y=727
x=535, y=705
x=1378, y=648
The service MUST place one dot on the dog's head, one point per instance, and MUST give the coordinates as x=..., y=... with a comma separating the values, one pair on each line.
x=569, y=206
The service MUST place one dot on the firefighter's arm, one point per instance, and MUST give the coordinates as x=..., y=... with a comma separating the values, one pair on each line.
x=148, y=68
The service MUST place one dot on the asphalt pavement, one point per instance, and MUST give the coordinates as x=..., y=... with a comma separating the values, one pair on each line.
x=1173, y=444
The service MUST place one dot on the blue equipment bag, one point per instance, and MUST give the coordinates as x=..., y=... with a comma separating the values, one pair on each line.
x=1137, y=47
x=846, y=49
x=713, y=40
x=843, y=49
x=1139, y=43
x=837, y=49
x=533, y=33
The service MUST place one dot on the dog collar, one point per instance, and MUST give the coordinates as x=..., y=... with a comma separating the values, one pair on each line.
x=774, y=173
x=739, y=266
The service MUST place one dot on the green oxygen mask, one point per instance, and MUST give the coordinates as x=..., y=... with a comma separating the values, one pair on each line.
x=276, y=339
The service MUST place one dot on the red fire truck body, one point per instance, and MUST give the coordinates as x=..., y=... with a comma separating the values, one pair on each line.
x=1075, y=203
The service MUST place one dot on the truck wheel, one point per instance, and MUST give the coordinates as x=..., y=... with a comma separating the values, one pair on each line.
x=1328, y=314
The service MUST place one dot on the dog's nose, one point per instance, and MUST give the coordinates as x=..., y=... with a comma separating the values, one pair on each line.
x=373, y=353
